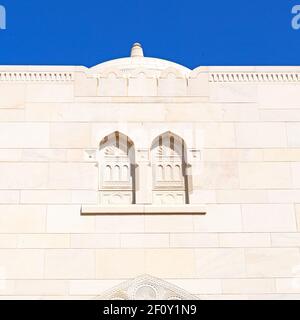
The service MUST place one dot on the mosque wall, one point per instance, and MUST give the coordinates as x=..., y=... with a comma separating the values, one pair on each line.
x=241, y=127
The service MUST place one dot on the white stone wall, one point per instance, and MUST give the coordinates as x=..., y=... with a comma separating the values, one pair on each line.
x=244, y=121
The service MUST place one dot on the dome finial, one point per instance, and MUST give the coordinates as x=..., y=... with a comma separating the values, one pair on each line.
x=137, y=51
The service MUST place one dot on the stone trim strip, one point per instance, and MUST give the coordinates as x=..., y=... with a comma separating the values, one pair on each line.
x=37, y=76
x=10, y=76
x=254, y=77
x=143, y=209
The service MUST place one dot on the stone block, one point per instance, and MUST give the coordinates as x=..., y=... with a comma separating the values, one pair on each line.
x=244, y=240
x=194, y=240
x=86, y=241
x=41, y=241
x=22, y=264
x=248, y=286
x=219, y=218
x=173, y=263
x=69, y=264
x=261, y=135
x=67, y=219
x=154, y=240
x=70, y=135
x=108, y=263
x=83, y=176
x=269, y=218
x=265, y=175
x=22, y=219
x=24, y=135
x=272, y=262
x=220, y=263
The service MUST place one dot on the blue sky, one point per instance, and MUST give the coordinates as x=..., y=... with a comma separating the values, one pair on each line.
x=190, y=32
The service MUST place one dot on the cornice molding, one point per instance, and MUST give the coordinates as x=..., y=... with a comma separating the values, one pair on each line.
x=254, y=77
x=8, y=76
x=215, y=77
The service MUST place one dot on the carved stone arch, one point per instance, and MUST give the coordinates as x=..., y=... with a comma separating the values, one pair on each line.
x=111, y=82
x=184, y=132
x=126, y=130
x=176, y=137
x=111, y=72
x=146, y=288
x=168, y=153
x=143, y=73
x=123, y=140
x=170, y=73
x=117, y=178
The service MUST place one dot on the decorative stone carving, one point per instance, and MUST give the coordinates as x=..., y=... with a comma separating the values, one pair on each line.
x=90, y=155
x=117, y=170
x=37, y=76
x=130, y=176
x=143, y=73
x=194, y=154
x=254, y=77
x=169, y=170
x=142, y=155
x=146, y=288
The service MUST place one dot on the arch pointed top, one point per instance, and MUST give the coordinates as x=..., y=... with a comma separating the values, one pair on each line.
x=179, y=135
x=122, y=136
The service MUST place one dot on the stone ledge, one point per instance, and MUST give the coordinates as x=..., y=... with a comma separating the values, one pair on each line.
x=143, y=209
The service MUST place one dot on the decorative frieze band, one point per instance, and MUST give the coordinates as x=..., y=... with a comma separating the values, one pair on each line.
x=37, y=76
x=254, y=77
x=23, y=76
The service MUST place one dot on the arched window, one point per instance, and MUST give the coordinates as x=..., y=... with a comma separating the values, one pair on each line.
x=170, y=181
x=117, y=170
x=169, y=173
x=177, y=173
x=160, y=173
x=108, y=173
x=125, y=173
x=117, y=173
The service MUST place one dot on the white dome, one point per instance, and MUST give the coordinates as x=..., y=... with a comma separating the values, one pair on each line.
x=138, y=61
